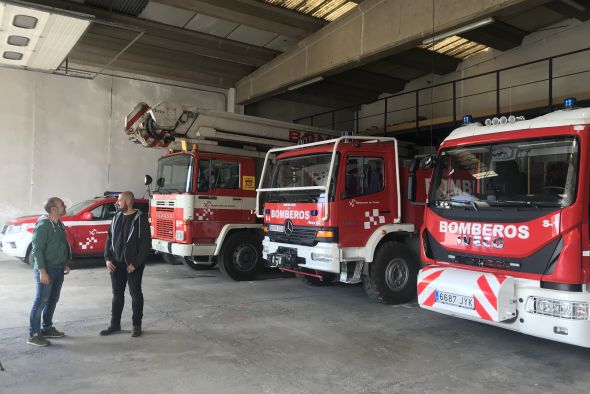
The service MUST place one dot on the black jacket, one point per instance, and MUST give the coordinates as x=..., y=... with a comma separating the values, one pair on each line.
x=139, y=242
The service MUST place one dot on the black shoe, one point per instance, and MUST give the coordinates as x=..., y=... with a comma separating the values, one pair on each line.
x=136, y=332
x=110, y=330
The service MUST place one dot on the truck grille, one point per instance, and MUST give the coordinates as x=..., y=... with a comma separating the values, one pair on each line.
x=165, y=229
x=299, y=236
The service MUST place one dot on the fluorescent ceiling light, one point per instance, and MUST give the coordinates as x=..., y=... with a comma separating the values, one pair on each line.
x=305, y=83
x=42, y=37
x=458, y=31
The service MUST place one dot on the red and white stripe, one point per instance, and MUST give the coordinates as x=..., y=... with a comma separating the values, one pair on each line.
x=490, y=301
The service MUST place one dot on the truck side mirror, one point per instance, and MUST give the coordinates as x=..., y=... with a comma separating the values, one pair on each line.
x=147, y=180
x=428, y=162
x=160, y=182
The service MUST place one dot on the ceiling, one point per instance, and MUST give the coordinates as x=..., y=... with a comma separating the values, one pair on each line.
x=218, y=42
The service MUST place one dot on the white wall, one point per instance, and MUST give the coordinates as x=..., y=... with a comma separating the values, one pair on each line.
x=564, y=37
x=63, y=136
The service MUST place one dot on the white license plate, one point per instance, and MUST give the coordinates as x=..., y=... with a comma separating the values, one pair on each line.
x=279, y=228
x=455, y=299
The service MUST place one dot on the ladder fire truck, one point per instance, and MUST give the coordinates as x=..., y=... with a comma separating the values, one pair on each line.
x=203, y=209
x=506, y=229
x=334, y=209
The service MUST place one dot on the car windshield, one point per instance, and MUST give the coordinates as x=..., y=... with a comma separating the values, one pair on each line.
x=77, y=208
x=174, y=174
x=300, y=171
x=532, y=173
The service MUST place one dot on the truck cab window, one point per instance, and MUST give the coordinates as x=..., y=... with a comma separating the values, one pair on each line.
x=363, y=175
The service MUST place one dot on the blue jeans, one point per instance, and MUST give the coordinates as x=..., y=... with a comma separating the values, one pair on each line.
x=46, y=298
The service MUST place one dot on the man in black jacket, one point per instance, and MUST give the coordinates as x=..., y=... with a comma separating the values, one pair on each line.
x=127, y=247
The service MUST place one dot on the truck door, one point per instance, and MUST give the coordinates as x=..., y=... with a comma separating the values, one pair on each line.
x=219, y=201
x=366, y=201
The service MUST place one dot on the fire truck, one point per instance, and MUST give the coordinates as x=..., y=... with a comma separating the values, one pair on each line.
x=334, y=210
x=202, y=211
x=506, y=232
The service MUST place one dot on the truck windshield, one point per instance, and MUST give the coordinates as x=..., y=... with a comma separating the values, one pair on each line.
x=300, y=171
x=175, y=174
x=532, y=174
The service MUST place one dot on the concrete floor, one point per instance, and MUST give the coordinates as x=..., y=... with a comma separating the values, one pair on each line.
x=205, y=334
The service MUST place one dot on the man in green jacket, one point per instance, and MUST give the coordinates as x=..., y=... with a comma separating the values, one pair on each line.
x=51, y=253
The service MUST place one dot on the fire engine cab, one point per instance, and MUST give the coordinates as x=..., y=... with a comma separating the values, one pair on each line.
x=203, y=207
x=334, y=209
x=506, y=230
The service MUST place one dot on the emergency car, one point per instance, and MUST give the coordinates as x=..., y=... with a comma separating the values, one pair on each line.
x=86, y=222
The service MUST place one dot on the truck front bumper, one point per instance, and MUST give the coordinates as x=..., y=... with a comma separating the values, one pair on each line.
x=322, y=257
x=184, y=250
x=503, y=301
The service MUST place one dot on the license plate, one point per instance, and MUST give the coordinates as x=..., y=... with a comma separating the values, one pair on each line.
x=279, y=228
x=460, y=301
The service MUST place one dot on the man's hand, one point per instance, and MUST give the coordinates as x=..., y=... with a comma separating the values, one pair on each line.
x=66, y=269
x=110, y=266
x=130, y=268
x=44, y=277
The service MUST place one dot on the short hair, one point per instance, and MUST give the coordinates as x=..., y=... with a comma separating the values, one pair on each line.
x=129, y=196
x=51, y=203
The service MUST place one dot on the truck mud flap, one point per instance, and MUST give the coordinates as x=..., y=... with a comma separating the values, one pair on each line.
x=466, y=293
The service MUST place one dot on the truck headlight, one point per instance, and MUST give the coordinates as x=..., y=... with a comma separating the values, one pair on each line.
x=179, y=235
x=326, y=258
x=572, y=310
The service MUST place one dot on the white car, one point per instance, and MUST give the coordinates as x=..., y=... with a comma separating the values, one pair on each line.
x=86, y=223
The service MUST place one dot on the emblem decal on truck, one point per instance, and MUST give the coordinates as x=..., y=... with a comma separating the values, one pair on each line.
x=373, y=219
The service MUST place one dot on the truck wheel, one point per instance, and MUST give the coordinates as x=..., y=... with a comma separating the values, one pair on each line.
x=196, y=265
x=327, y=278
x=392, y=274
x=241, y=256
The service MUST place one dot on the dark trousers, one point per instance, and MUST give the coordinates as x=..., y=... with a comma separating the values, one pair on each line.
x=119, y=280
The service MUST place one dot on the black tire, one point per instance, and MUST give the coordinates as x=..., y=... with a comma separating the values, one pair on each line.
x=191, y=263
x=172, y=259
x=29, y=258
x=241, y=256
x=392, y=274
x=327, y=278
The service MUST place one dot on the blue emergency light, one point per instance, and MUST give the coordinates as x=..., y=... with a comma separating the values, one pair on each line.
x=267, y=211
x=467, y=119
x=569, y=103
x=314, y=212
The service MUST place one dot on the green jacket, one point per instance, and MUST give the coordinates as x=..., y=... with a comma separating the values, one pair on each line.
x=50, y=246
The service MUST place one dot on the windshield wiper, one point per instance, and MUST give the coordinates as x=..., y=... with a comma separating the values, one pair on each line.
x=527, y=203
x=465, y=202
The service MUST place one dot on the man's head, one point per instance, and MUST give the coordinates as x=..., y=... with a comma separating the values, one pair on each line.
x=125, y=200
x=55, y=207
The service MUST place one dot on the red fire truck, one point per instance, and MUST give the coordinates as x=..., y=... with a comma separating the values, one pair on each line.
x=203, y=209
x=334, y=209
x=506, y=228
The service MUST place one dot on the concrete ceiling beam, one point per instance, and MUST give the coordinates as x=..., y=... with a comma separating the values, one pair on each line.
x=368, y=80
x=497, y=35
x=375, y=29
